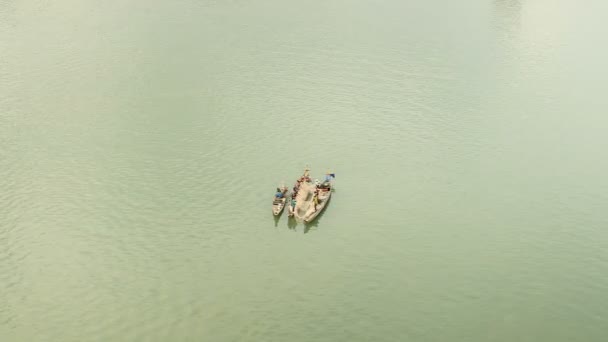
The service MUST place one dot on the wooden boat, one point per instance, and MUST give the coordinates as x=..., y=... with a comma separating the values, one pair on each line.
x=292, y=203
x=278, y=204
x=311, y=199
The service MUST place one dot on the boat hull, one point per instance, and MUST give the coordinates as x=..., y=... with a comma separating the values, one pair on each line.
x=278, y=204
x=322, y=204
x=306, y=210
x=277, y=208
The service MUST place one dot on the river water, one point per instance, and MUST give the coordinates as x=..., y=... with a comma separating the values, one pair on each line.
x=141, y=143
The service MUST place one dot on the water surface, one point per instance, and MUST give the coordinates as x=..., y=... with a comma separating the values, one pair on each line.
x=141, y=143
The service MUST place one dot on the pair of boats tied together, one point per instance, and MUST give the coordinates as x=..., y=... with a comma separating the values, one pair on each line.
x=308, y=197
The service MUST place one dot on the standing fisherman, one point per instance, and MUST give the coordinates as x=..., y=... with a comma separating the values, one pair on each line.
x=315, y=199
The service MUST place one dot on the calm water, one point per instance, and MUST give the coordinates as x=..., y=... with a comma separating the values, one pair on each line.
x=141, y=142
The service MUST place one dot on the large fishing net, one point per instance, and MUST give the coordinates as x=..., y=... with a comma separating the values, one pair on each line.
x=304, y=199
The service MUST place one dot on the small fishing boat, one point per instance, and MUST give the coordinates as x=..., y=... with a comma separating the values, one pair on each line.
x=312, y=198
x=278, y=204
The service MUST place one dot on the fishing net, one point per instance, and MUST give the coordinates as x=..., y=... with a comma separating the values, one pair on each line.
x=304, y=199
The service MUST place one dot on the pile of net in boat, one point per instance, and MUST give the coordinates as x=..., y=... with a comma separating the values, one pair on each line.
x=304, y=199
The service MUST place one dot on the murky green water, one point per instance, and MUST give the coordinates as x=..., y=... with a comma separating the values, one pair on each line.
x=141, y=142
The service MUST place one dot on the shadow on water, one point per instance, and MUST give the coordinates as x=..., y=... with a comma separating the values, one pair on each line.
x=292, y=223
x=276, y=219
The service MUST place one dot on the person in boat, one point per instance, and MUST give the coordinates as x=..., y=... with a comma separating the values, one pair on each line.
x=279, y=194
